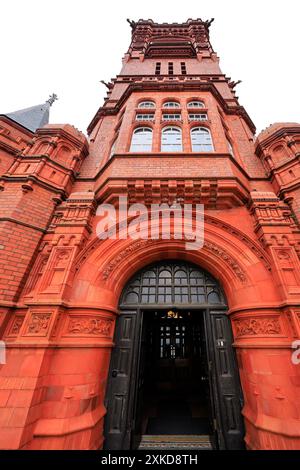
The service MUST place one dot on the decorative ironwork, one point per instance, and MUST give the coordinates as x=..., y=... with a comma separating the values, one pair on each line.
x=172, y=283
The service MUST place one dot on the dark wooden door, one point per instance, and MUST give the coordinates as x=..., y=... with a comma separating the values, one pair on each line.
x=170, y=285
x=121, y=382
x=226, y=391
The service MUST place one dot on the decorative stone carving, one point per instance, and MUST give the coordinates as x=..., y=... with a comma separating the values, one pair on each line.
x=227, y=258
x=257, y=326
x=38, y=324
x=283, y=254
x=130, y=249
x=89, y=326
x=16, y=325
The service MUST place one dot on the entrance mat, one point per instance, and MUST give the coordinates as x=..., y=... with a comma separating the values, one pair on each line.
x=178, y=442
x=177, y=425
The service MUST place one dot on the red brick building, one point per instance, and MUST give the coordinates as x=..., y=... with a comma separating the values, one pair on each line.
x=134, y=340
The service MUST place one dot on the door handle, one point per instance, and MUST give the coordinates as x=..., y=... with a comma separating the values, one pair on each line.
x=114, y=373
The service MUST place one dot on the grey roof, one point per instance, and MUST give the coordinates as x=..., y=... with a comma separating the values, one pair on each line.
x=34, y=117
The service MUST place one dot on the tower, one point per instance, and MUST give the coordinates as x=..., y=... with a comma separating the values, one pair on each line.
x=171, y=130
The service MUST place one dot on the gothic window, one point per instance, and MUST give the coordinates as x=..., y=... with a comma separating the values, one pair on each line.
x=146, y=104
x=171, y=140
x=172, y=283
x=196, y=104
x=171, y=117
x=141, y=140
x=201, y=140
x=144, y=117
x=171, y=104
x=197, y=117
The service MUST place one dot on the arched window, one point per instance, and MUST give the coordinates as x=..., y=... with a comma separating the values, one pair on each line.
x=171, y=104
x=196, y=104
x=146, y=104
x=201, y=140
x=141, y=140
x=171, y=140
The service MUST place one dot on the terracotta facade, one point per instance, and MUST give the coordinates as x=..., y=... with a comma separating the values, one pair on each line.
x=60, y=284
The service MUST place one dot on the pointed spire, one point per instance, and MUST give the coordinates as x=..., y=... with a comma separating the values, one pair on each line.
x=34, y=117
x=52, y=98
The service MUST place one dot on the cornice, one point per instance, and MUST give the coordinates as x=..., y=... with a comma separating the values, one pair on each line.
x=9, y=148
x=282, y=132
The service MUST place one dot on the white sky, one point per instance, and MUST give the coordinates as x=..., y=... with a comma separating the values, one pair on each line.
x=67, y=46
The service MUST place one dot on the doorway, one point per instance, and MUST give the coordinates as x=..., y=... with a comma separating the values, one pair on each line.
x=173, y=380
x=173, y=368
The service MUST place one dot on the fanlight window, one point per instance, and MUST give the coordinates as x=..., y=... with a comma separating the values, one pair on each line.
x=141, y=140
x=171, y=140
x=196, y=104
x=146, y=104
x=171, y=104
x=201, y=140
x=173, y=283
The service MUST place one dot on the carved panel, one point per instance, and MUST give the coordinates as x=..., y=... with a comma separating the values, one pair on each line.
x=38, y=324
x=266, y=326
x=15, y=326
x=88, y=326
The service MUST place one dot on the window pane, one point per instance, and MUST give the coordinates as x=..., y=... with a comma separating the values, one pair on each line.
x=201, y=140
x=146, y=104
x=195, y=104
x=171, y=104
x=113, y=147
x=171, y=117
x=198, y=117
x=171, y=140
x=141, y=140
x=144, y=117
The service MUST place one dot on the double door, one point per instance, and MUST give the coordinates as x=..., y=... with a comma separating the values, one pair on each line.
x=187, y=347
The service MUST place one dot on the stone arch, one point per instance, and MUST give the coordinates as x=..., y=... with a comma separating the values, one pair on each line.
x=229, y=255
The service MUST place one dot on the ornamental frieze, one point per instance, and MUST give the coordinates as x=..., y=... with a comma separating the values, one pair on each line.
x=81, y=326
x=228, y=259
x=127, y=251
x=16, y=326
x=38, y=324
x=257, y=326
x=240, y=274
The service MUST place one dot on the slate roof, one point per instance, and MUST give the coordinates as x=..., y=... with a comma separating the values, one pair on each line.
x=34, y=117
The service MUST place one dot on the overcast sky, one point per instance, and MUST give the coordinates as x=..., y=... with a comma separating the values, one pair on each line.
x=67, y=46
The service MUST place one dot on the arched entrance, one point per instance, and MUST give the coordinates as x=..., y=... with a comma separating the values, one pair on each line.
x=173, y=369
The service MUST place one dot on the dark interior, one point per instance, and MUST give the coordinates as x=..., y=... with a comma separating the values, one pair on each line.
x=173, y=387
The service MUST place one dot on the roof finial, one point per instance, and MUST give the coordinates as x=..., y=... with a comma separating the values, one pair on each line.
x=207, y=23
x=52, y=98
x=132, y=23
